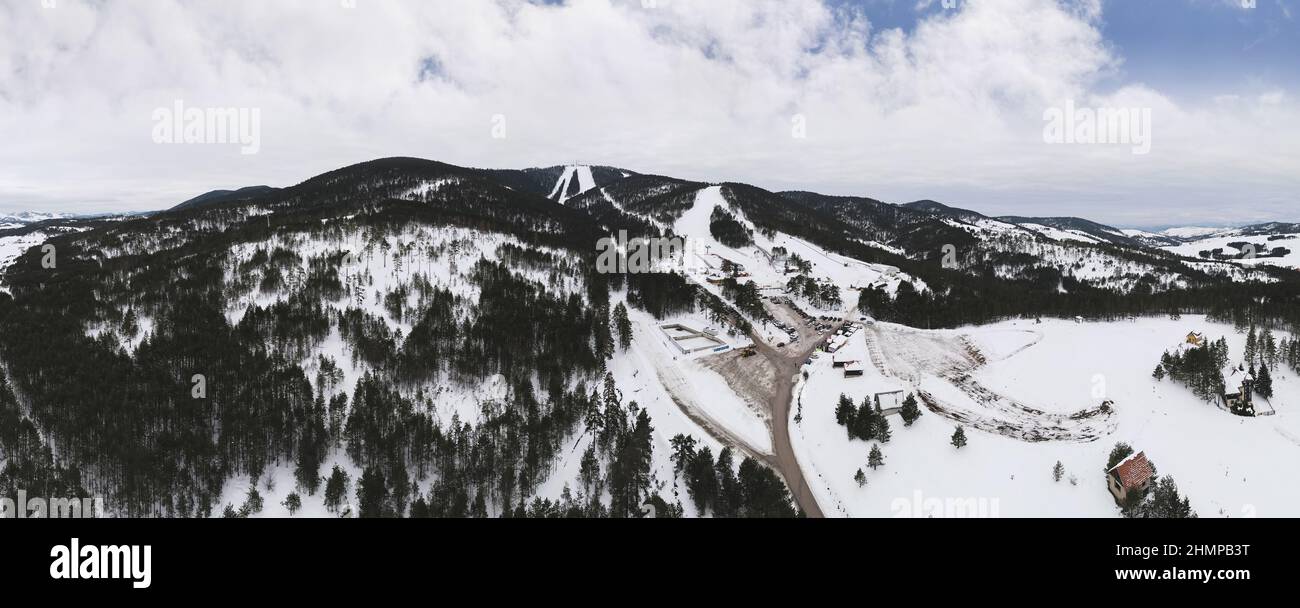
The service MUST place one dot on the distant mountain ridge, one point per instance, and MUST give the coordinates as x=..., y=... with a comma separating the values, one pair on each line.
x=221, y=197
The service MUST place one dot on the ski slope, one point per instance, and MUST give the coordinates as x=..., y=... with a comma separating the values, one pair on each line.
x=582, y=173
x=848, y=274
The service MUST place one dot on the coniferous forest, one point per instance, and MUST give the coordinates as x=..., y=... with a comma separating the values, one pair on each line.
x=162, y=357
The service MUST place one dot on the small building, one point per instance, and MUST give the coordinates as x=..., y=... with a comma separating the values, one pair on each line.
x=853, y=369
x=1133, y=474
x=1242, y=402
x=889, y=400
x=1195, y=339
x=841, y=359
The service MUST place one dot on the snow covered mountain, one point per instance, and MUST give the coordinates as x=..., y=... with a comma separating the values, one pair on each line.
x=15, y=220
x=1073, y=228
x=407, y=337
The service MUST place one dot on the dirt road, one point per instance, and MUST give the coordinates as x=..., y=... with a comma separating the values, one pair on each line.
x=787, y=363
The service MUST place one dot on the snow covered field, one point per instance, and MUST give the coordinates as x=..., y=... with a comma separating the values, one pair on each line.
x=1264, y=245
x=1228, y=466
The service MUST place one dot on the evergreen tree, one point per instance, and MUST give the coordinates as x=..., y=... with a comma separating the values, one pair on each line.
x=130, y=324
x=845, y=413
x=1251, y=345
x=860, y=478
x=372, y=494
x=623, y=326
x=1118, y=454
x=589, y=472
x=911, y=411
x=336, y=489
x=883, y=433
x=864, y=422
x=959, y=438
x=683, y=452
x=292, y=502
x=1264, y=383
x=875, y=458
x=729, y=498
x=252, y=501
x=762, y=492
x=1268, y=350
x=1058, y=471
x=702, y=480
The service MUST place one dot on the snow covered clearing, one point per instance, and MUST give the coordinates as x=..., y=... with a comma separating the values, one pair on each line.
x=1229, y=466
x=1056, y=234
x=1263, y=245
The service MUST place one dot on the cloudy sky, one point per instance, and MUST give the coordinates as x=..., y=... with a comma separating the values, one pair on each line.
x=895, y=99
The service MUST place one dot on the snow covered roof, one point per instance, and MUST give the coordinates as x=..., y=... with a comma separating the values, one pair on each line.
x=1134, y=470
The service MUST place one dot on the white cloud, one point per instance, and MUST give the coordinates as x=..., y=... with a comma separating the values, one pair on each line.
x=704, y=90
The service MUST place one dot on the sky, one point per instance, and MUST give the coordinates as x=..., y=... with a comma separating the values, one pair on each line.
x=994, y=105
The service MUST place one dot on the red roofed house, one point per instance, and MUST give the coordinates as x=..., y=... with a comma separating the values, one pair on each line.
x=1132, y=474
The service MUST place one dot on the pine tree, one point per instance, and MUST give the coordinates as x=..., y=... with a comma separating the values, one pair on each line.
x=1268, y=350
x=860, y=477
x=959, y=438
x=883, y=433
x=864, y=422
x=292, y=502
x=1118, y=454
x=1159, y=374
x=1058, y=471
x=729, y=499
x=622, y=326
x=336, y=489
x=130, y=324
x=1251, y=344
x=910, y=411
x=1264, y=383
x=702, y=480
x=589, y=471
x=845, y=412
x=683, y=452
x=875, y=458
x=252, y=501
